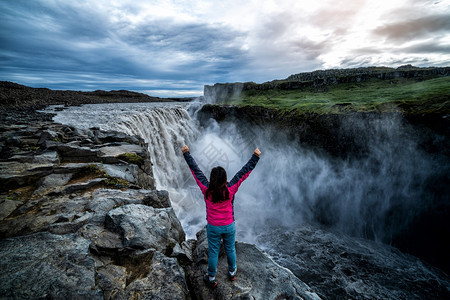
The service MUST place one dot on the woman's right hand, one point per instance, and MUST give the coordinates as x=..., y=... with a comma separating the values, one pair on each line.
x=185, y=149
x=257, y=152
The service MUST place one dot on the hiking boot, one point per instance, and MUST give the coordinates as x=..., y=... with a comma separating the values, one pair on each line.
x=232, y=275
x=209, y=283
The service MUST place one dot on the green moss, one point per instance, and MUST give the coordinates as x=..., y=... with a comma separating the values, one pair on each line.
x=94, y=169
x=405, y=95
x=131, y=158
x=116, y=182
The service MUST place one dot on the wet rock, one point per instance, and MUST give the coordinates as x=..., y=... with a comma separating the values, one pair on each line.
x=200, y=252
x=143, y=227
x=129, y=172
x=157, y=199
x=258, y=277
x=13, y=142
x=48, y=157
x=45, y=265
x=115, y=136
x=47, y=135
x=109, y=154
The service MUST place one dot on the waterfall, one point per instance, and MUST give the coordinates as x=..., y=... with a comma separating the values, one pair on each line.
x=165, y=131
x=376, y=196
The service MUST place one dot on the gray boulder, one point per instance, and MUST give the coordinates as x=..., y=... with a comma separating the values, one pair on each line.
x=104, y=200
x=45, y=265
x=143, y=227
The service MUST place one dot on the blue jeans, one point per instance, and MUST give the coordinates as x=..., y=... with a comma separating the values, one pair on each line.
x=215, y=235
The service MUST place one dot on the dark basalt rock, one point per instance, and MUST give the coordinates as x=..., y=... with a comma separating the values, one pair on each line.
x=340, y=267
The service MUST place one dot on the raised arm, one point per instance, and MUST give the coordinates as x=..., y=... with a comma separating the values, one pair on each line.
x=244, y=172
x=199, y=177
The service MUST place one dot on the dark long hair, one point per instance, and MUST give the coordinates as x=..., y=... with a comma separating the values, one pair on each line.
x=218, y=185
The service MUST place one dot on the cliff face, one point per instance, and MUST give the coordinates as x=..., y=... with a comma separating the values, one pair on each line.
x=220, y=92
x=330, y=132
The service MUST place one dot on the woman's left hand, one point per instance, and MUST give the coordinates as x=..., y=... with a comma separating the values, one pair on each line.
x=185, y=149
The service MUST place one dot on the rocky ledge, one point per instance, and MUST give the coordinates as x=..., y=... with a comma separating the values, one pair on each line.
x=80, y=219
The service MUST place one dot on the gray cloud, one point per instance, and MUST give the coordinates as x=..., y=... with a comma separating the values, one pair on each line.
x=310, y=49
x=339, y=17
x=42, y=38
x=428, y=47
x=414, y=29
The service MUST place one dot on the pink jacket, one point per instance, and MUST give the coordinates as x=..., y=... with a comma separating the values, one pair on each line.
x=220, y=214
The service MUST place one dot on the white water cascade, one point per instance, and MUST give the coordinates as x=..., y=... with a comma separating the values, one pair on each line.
x=165, y=127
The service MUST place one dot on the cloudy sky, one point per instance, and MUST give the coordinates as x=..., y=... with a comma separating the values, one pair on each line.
x=174, y=47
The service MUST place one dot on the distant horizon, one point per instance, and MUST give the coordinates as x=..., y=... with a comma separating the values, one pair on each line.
x=148, y=92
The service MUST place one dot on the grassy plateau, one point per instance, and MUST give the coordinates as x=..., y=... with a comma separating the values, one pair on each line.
x=375, y=95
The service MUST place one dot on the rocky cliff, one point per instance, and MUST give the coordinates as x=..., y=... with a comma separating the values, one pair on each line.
x=338, y=134
x=318, y=80
x=80, y=219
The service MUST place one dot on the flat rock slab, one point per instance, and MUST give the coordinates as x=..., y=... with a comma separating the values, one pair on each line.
x=47, y=157
x=38, y=214
x=109, y=154
x=14, y=174
x=45, y=265
x=75, y=153
x=14, y=168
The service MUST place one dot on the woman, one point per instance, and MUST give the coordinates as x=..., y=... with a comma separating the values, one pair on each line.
x=219, y=199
